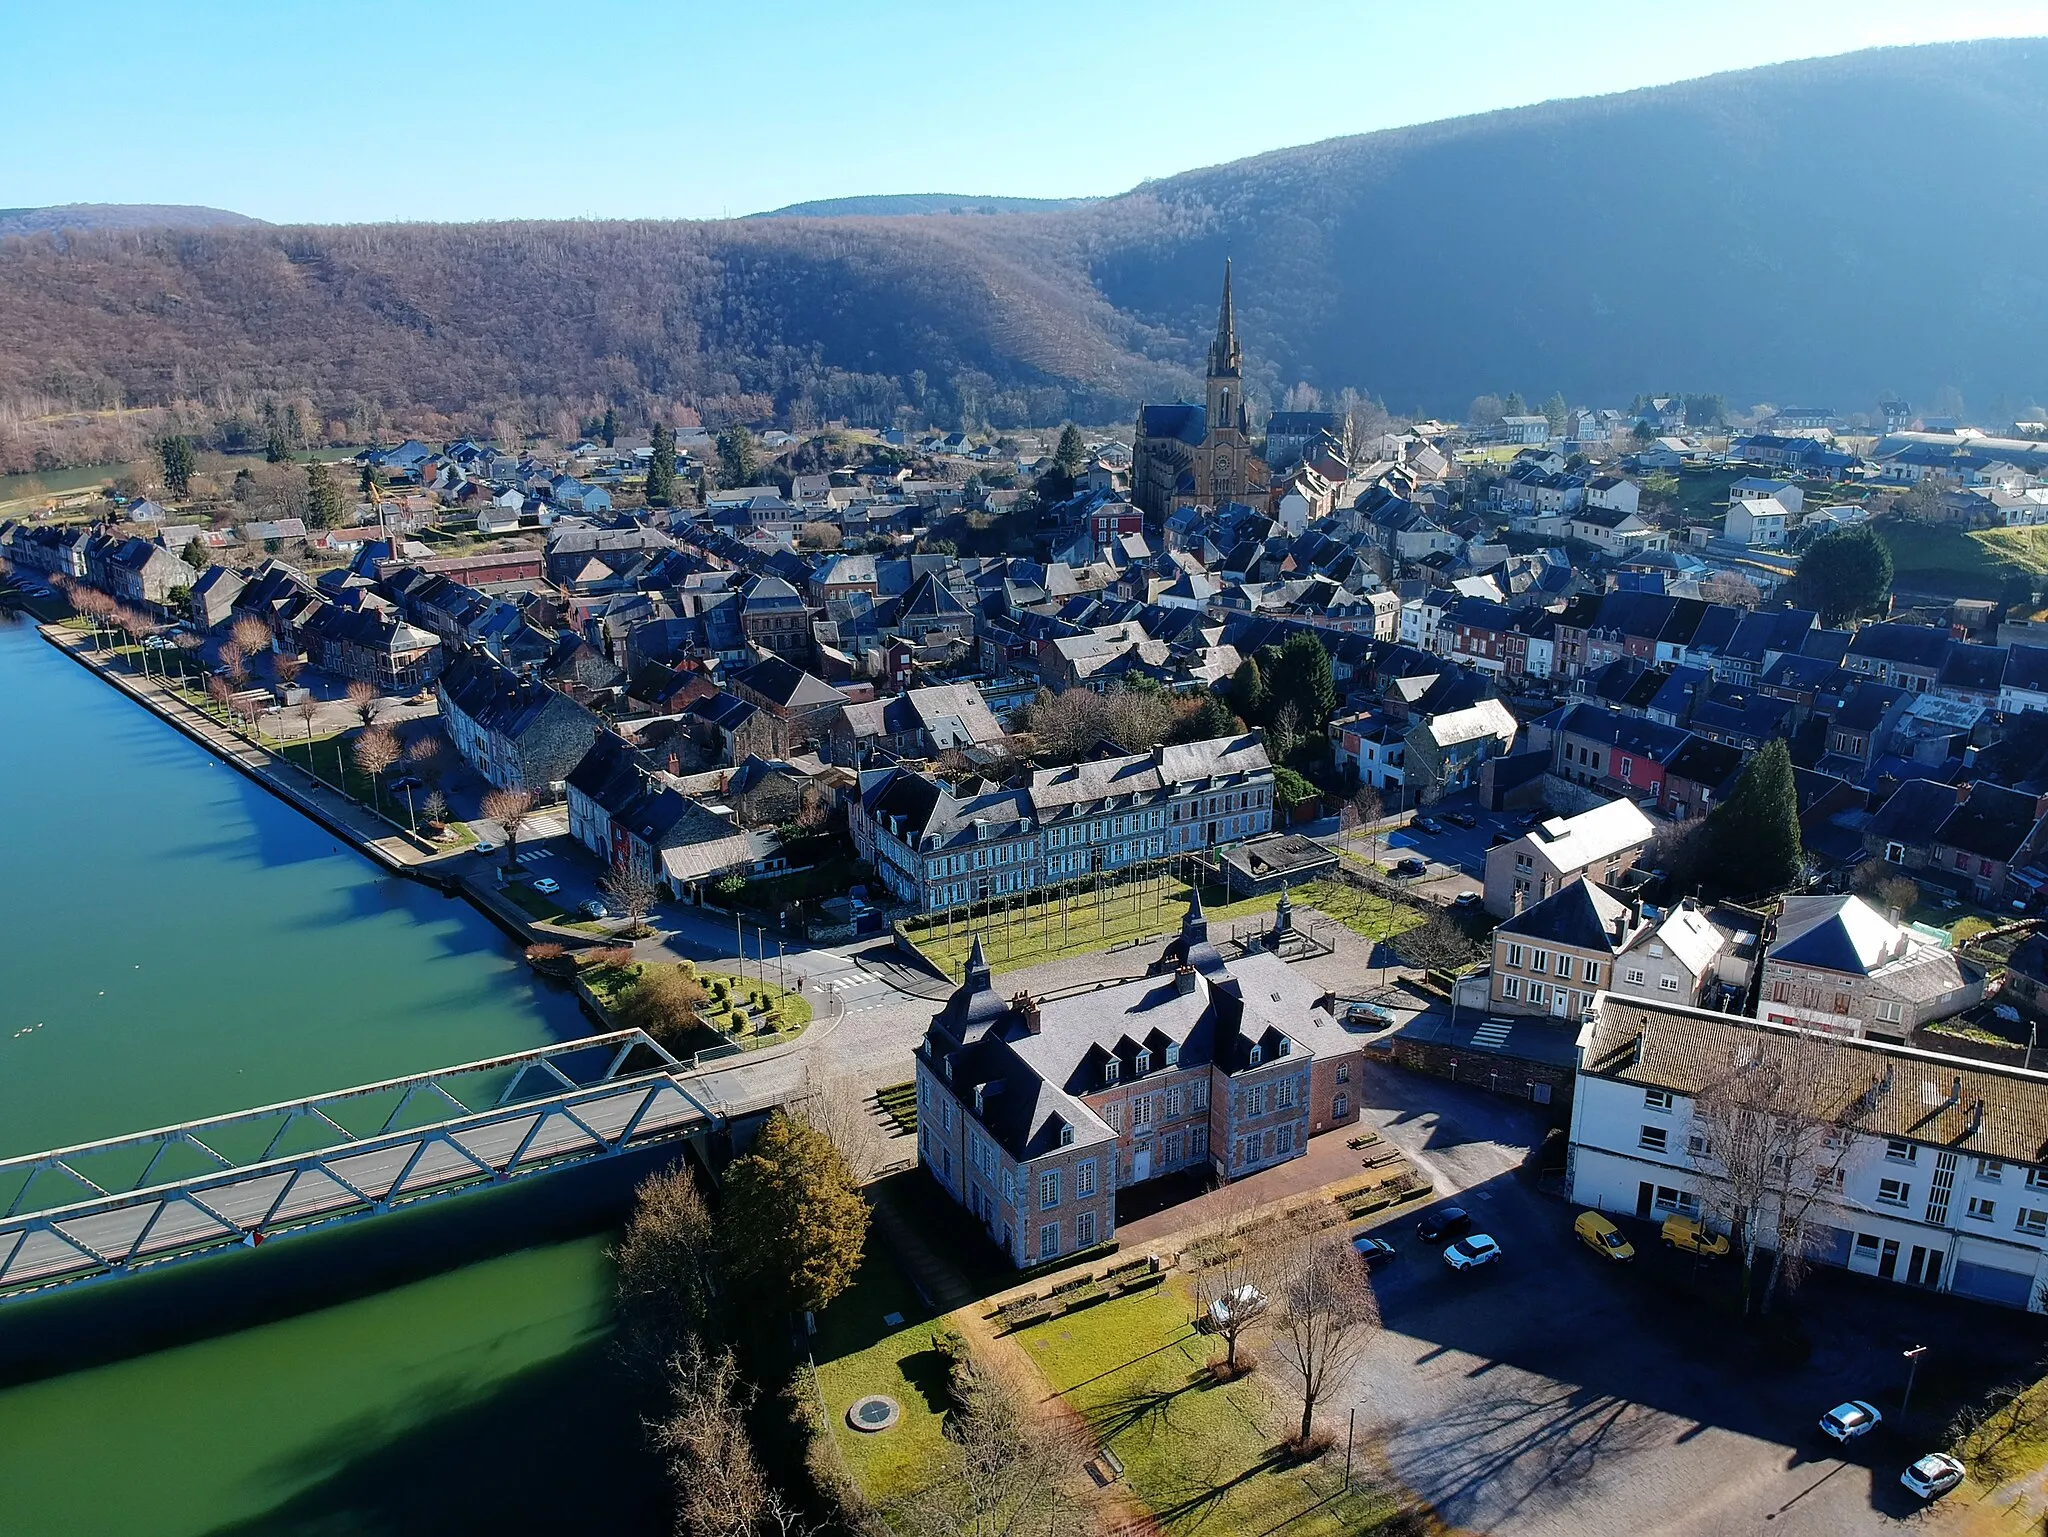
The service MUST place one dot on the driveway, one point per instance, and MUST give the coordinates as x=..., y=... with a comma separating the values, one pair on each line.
x=1555, y=1393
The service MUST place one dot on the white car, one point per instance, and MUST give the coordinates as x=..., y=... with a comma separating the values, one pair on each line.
x=1845, y=1422
x=547, y=885
x=1471, y=1252
x=1246, y=1303
x=1933, y=1475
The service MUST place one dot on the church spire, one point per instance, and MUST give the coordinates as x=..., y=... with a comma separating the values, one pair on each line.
x=1224, y=357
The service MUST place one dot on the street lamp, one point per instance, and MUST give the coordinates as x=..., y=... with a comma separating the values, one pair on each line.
x=1912, y=1367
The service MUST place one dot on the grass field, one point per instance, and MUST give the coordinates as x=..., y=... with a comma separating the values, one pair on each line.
x=1030, y=933
x=609, y=985
x=858, y=1352
x=1948, y=562
x=1201, y=1456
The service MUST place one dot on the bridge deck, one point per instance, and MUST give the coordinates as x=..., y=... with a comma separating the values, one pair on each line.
x=543, y=1109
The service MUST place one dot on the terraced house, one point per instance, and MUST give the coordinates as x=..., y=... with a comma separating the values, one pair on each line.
x=1034, y=1113
x=938, y=847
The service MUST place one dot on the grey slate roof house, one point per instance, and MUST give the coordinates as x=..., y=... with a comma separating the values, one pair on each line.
x=516, y=733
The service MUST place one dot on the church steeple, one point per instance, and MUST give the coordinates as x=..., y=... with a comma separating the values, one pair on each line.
x=1225, y=360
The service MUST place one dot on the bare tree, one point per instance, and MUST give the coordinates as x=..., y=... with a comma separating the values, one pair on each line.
x=251, y=634
x=287, y=667
x=1366, y=808
x=1285, y=730
x=309, y=709
x=234, y=662
x=248, y=710
x=720, y=1490
x=1008, y=1471
x=1238, y=1274
x=511, y=809
x=630, y=892
x=1771, y=1126
x=365, y=700
x=1324, y=1316
x=838, y=1107
x=1436, y=944
x=376, y=749
x=424, y=755
x=220, y=693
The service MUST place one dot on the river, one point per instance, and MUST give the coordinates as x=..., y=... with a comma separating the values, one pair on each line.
x=174, y=943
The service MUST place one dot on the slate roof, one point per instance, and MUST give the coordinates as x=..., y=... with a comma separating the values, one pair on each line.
x=1991, y=823
x=1918, y=646
x=1581, y=914
x=1886, y=1090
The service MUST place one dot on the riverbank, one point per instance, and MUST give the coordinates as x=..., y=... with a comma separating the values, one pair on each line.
x=400, y=852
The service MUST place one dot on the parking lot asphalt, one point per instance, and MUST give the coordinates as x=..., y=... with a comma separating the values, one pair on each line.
x=1559, y=1393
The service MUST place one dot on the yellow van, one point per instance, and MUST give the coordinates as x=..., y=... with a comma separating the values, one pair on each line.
x=1681, y=1232
x=1602, y=1236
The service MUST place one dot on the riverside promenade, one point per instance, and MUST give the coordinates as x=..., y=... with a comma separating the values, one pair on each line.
x=393, y=847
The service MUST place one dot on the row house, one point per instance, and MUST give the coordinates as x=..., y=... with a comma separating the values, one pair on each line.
x=1931, y=1174
x=1615, y=753
x=515, y=732
x=371, y=646
x=1598, y=845
x=1554, y=957
x=1033, y=1114
x=937, y=849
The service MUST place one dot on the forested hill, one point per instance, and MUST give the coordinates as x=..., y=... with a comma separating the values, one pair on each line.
x=1817, y=232
x=887, y=204
x=33, y=221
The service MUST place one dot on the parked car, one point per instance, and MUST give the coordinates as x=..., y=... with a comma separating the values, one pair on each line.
x=1845, y=1422
x=1688, y=1233
x=1428, y=825
x=1408, y=869
x=547, y=885
x=594, y=909
x=1467, y=901
x=1461, y=819
x=1933, y=1475
x=1471, y=1253
x=1367, y=1016
x=1244, y=1303
x=1602, y=1237
x=485, y=846
x=1444, y=1222
x=1374, y=1251
x=405, y=782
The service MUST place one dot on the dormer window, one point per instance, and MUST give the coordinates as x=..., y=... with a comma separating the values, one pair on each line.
x=1280, y=1046
x=1254, y=1060
x=1172, y=1054
x=1144, y=1063
x=1066, y=1136
x=1109, y=1072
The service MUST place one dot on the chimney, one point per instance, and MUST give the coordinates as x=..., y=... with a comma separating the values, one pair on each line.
x=1635, y=913
x=1955, y=1092
x=1976, y=1117
x=1027, y=1009
x=1620, y=929
x=1184, y=979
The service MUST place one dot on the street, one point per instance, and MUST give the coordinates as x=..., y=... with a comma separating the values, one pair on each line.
x=1557, y=1393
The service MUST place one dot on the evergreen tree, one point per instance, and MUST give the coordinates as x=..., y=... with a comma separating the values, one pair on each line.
x=1845, y=575
x=1302, y=678
x=1514, y=405
x=197, y=556
x=1558, y=413
x=276, y=450
x=661, y=468
x=323, y=497
x=611, y=426
x=179, y=461
x=1753, y=835
x=1071, y=455
x=793, y=1222
x=739, y=457
x=1208, y=720
x=1248, y=692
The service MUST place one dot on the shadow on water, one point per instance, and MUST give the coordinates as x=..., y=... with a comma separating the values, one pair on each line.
x=110, y=1320
x=555, y=1448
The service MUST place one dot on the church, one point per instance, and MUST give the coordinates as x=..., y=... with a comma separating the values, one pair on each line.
x=1186, y=454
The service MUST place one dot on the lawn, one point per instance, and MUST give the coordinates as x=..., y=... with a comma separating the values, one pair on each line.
x=529, y=901
x=859, y=1353
x=1029, y=932
x=1948, y=562
x=609, y=985
x=1199, y=1455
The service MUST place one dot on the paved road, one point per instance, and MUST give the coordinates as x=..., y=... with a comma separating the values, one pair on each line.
x=1558, y=1394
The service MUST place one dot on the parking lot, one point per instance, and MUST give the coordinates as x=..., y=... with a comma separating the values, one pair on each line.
x=1455, y=856
x=1557, y=1392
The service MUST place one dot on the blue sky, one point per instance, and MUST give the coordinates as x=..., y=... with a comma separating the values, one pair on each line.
x=294, y=111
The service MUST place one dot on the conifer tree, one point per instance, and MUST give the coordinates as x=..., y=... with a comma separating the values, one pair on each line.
x=1753, y=835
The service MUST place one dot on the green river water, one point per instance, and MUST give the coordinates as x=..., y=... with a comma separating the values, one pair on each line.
x=175, y=942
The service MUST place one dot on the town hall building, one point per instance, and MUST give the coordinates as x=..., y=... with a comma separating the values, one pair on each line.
x=1188, y=454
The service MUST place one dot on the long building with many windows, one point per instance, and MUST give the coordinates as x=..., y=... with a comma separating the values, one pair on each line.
x=1930, y=1170
x=1033, y=1113
x=937, y=847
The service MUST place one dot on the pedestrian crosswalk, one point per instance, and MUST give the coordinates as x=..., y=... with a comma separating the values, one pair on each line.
x=1493, y=1035
x=851, y=979
x=534, y=856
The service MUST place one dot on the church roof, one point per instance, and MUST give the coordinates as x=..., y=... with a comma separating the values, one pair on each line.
x=1189, y=423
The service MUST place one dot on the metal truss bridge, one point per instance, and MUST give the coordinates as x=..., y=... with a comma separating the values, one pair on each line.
x=111, y=1208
